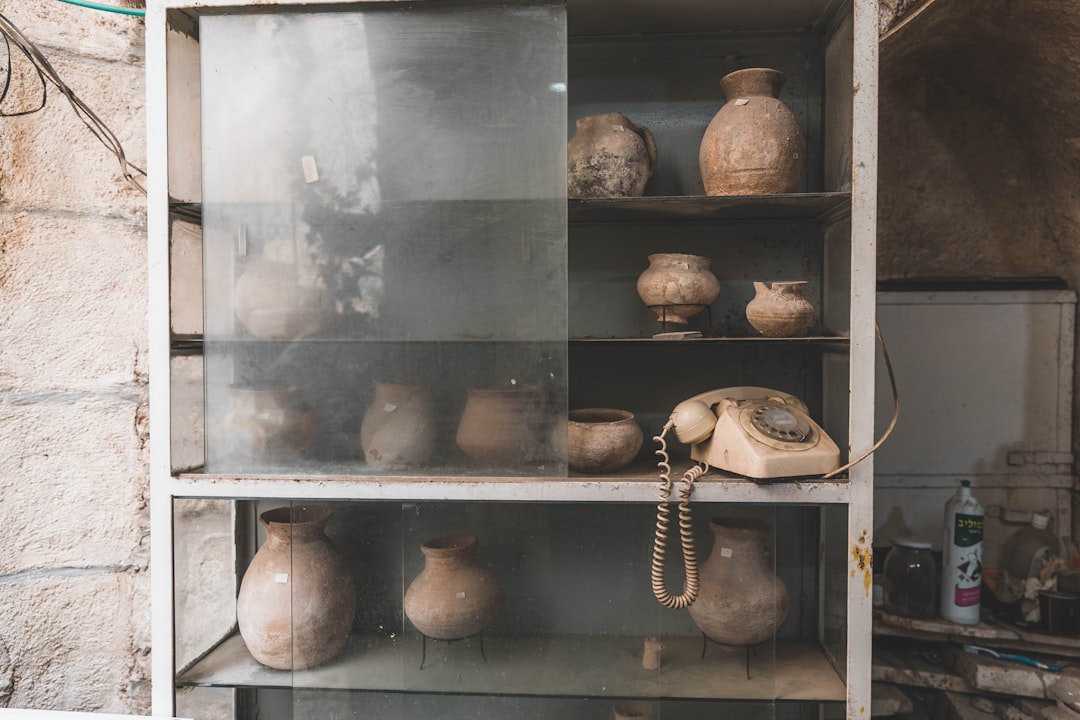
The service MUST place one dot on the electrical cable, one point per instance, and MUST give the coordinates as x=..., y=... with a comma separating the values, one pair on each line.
x=106, y=8
x=47, y=74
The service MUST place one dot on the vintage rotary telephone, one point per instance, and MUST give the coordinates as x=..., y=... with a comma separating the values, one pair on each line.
x=751, y=431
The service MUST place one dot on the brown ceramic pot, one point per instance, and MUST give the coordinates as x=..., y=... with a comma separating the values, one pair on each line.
x=502, y=426
x=753, y=145
x=453, y=597
x=634, y=710
x=297, y=599
x=602, y=440
x=677, y=286
x=267, y=423
x=609, y=156
x=780, y=309
x=272, y=303
x=399, y=428
x=742, y=602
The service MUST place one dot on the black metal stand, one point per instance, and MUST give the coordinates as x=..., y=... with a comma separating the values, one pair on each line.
x=425, y=638
x=664, y=321
x=748, y=648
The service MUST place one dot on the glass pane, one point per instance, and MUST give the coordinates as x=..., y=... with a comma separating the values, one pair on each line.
x=385, y=226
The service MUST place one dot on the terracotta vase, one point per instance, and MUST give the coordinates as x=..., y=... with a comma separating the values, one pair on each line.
x=273, y=303
x=677, y=286
x=742, y=602
x=297, y=599
x=453, y=597
x=753, y=145
x=609, y=156
x=634, y=710
x=780, y=309
x=267, y=423
x=602, y=440
x=502, y=426
x=399, y=428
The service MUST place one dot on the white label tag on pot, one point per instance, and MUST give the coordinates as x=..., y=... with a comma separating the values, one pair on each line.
x=725, y=552
x=618, y=128
x=281, y=578
x=742, y=101
x=389, y=407
x=311, y=173
x=460, y=595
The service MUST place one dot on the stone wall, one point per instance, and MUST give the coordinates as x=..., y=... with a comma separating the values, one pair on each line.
x=74, y=604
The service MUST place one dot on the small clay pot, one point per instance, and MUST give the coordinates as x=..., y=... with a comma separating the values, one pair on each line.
x=453, y=597
x=780, y=309
x=634, y=710
x=677, y=286
x=609, y=156
x=602, y=440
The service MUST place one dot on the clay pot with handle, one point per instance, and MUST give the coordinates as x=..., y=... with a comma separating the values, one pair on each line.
x=609, y=156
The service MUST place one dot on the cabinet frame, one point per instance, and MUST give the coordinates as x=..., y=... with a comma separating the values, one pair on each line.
x=169, y=134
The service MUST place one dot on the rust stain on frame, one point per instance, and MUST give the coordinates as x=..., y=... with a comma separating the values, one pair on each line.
x=863, y=560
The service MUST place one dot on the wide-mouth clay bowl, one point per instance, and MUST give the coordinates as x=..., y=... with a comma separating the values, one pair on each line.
x=602, y=440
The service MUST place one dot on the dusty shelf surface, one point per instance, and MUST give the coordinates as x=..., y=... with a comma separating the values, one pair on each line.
x=793, y=206
x=598, y=666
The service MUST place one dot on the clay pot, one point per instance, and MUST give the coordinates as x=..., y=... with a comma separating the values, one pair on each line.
x=609, y=156
x=502, y=426
x=267, y=423
x=602, y=440
x=297, y=599
x=272, y=303
x=399, y=428
x=453, y=597
x=742, y=602
x=634, y=710
x=677, y=286
x=780, y=309
x=753, y=145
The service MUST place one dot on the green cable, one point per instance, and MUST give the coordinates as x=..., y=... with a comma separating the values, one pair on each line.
x=106, y=8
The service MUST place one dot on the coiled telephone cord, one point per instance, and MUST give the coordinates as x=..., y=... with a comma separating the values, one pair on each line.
x=686, y=530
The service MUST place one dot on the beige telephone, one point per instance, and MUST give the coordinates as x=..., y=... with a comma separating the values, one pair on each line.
x=751, y=431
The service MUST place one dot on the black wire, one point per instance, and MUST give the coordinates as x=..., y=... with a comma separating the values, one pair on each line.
x=7, y=82
x=46, y=72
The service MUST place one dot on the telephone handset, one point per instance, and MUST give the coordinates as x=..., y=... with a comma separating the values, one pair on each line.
x=751, y=431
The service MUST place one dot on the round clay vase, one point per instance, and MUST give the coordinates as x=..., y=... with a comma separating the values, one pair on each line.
x=609, y=156
x=399, y=428
x=753, y=145
x=780, y=309
x=742, y=602
x=453, y=597
x=677, y=286
x=267, y=423
x=297, y=599
x=502, y=426
x=634, y=710
x=602, y=440
x=273, y=304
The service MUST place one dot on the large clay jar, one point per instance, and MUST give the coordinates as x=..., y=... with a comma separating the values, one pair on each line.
x=297, y=599
x=268, y=423
x=753, y=145
x=453, y=597
x=273, y=303
x=677, y=286
x=502, y=426
x=399, y=427
x=742, y=602
x=609, y=156
x=780, y=309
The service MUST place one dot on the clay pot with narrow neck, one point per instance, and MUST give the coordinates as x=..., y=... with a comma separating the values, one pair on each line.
x=298, y=598
x=780, y=309
x=753, y=145
x=677, y=286
x=454, y=596
x=609, y=156
x=502, y=426
x=742, y=602
x=399, y=427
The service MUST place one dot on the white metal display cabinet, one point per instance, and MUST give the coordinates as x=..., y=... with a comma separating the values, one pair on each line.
x=273, y=128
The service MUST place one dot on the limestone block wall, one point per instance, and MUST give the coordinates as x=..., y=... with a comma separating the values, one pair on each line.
x=74, y=605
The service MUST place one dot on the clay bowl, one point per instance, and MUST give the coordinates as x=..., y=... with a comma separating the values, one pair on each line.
x=602, y=440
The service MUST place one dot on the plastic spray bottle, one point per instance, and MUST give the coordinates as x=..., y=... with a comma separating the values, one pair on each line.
x=961, y=557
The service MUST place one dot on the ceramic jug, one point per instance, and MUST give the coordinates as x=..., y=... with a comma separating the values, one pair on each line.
x=741, y=602
x=609, y=156
x=677, y=286
x=753, y=145
x=780, y=309
x=399, y=427
x=297, y=598
x=454, y=596
x=502, y=426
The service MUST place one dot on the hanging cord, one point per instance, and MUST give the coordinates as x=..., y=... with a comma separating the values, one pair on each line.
x=47, y=74
x=691, y=586
x=895, y=416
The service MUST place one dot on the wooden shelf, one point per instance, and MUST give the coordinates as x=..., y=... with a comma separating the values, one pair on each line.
x=701, y=208
x=563, y=666
x=638, y=483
